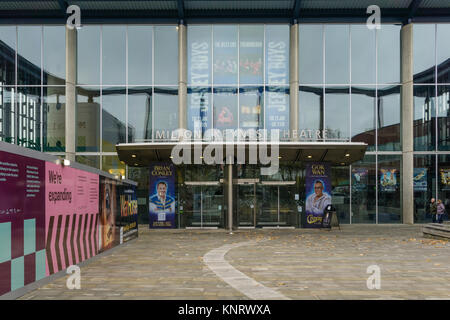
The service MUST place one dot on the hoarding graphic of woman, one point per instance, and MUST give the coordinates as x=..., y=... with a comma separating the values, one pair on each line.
x=108, y=213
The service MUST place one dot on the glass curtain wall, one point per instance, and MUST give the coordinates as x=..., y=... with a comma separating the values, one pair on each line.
x=349, y=86
x=431, y=116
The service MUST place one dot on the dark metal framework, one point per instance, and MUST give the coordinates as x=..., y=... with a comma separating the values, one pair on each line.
x=219, y=11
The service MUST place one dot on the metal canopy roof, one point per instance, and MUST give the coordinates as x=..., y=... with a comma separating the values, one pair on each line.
x=209, y=11
x=340, y=153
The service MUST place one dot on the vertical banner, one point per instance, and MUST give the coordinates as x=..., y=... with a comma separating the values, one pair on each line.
x=162, y=195
x=109, y=206
x=22, y=221
x=318, y=193
x=445, y=178
x=128, y=212
x=359, y=179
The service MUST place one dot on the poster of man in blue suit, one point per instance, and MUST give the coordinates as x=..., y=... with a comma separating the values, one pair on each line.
x=162, y=196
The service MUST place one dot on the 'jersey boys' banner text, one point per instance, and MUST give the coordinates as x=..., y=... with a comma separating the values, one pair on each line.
x=318, y=193
x=162, y=195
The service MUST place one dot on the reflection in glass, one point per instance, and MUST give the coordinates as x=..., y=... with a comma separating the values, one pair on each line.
x=88, y=119
x=363, y=115
x=443, y=53
x=113, y=55
x=424, y=118
x=113, y=118
x=251, y=52
x=340, y=193
x=225, y=62
x=29, y=55
x=29, y=117
x=389, y=182
x=424, y=53
x=140, y=55
x=140, y=110
x=141, y=176
x=166, y=112
x=251, y=108
x=311, y=104
x=199, y=111
x=364, y=190
x=7, y=115
x=363, y=54
x=443, y=113
x=276, y=109
x=88, y=55
x=166, y=55
x=310, y=54
x=54, y=55
x=277, y=54
x=424, y=186
x=225, y=108
x=91, y=161
x=113, y=165
x=54, y=118
x=7, y=55
x=199, y=55
x=388, y=105
x=337, y=49
x=389, y=54
x=337, y=113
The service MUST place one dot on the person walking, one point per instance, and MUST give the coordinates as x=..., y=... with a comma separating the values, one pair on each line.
x=440, y=211
x=433, y=209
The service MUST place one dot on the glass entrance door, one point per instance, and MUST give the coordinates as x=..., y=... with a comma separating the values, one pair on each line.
x=203, y=205
x=246, y=205
x=277, y=204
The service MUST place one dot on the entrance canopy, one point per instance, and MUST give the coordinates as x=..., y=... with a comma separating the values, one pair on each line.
x=338, y=153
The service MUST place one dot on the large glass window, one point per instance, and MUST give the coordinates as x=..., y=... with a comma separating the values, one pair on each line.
x=54, y=106
x=337, y=53
x=166, y=55
x=443, y=53
x=113, y=118
x=7, y=114
x=424, y=118
x=389, y=205
x=225, y=61
x=251, y=108
x=225, y=108
x=251, y=53
x=443, y=114
x=29, y=55
x=88, y=55
x=29, y=117
x=114, y=55
x=199, y=111
x=140, y=111
x=311, y=112
x=311, y=54
x=54, y=55
x=363, y=115
x=199, y=55
x=424, y=53
x=424, y=186
x=8, y=55
x=113, y=165
x=364, y=177
x=88, y=119
x=166, y=112
x=337, y=111
x=140, y=55
x=363, y=54
x=389, y=54
x=388, y=106
x=276, y=109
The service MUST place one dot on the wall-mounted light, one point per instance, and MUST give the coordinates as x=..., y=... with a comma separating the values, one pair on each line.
x=347, y=154
x=309, y=157
x=133, y=156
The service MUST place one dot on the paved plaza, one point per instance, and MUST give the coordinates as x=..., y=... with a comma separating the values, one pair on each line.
x=266, y=264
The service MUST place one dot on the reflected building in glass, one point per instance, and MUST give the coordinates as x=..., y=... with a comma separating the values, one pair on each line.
x=327, y=85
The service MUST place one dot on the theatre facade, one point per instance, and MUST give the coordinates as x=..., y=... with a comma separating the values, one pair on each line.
x=162, y=89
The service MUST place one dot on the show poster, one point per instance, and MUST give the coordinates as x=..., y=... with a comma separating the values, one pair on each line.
x=127, y=221
x=318, y=193
x=22, y=221
x=162, y=195
x=251, y=116
x=109, y=206
x=277, y=108
x=359, y=179
x=420, y=179
x=199, y=115
x=388, y=180
x=71, y=216
x=445, y=178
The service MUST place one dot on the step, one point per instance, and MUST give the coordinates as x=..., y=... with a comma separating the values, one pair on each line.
x=436, y=230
